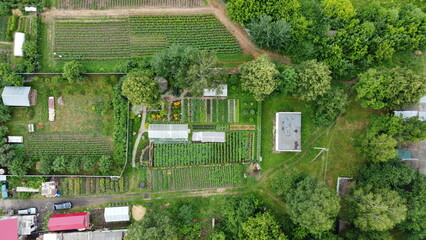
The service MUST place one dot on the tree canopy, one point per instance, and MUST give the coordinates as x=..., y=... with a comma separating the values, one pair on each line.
x=328, y=107
x=262, y=227
x=259, y=77
x=313, y=205
x=153, y=226
x=73, y=71
x=377, y=148
x=314, y=80
x=269, y=34
x=390, y=88
x=141, y=88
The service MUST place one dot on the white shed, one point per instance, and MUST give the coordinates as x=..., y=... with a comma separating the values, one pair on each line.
x=15, y=139
x=222, y=91
x=117, y=214
x=168, y=132
x=16, y=96
x=18, y=44
x=209, y=137
x=30, y=9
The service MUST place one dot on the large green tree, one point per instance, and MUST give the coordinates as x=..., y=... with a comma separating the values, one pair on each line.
x=262, y=227
x=105, y=164
x=313, y=205
x=141, y=88
x=153, y=226
x=390, y=88
x=259, y=77
x=342, y=9
x=376, y=209
x=377, y=148
x=328, y=107
x=269, y=34
x=314, y=80
x=73, y=72
x=5, y=113
x=205, y=73
x=403, y=130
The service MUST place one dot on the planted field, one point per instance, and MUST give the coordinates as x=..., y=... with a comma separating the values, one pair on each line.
x=210, y=110
x=82, y=186
x=181, y=178
x=67, y=145
x=238, y=148
x=96, y=4
x=121, y=38
x=3, y=28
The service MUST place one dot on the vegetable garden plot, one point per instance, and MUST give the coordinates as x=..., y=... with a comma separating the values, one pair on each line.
x=81, y=186
x=211, y=110
x=121, y=38
x=3, y=28
x=182, y=178
x=238, y=148
x=93, y=4
x=67, y=145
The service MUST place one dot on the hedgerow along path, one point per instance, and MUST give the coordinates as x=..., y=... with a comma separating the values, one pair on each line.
x=97, y=39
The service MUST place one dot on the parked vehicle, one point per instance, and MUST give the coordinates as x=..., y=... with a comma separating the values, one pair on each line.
x=62, y=206
x=27, y=211
x=9, y=212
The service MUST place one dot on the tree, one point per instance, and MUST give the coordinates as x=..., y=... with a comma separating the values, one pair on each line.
x=5, y=114
x=88, y=163
x=141, y=88
x=403, y=130
x=328, y=107
x=377, y=209
x=259, y=77
x=74, y=165
x=282, y=183
x=105, y=164
x=262, y=227
x=4, y=9
x=3, y=132
x=173, y=63
x=7, y=153
x=18, y=164
x=270, y=35
x=287, y=80
x=377, y=148
x=60, y=164
x=73, y=72
x=45, y=165
x=313, y=205
x=390, y=88
x=153, y=226
x=341, y=9
x=314, y=80
x=205, y=73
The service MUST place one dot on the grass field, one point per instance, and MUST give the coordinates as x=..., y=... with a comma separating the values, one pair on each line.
x=104, y=4
x=83, y=124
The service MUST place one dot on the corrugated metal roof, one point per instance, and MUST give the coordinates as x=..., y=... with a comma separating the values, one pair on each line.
x=209, y=137
x=68, y=221
x=223, y=91
x=404, y=154
x=18, y=44
x=16, y=96
x=9, y=229
x=168, y=131
x=116, y=214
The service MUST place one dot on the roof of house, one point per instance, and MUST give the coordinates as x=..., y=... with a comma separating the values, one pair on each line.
x=18, y=44
x=117, y=214
x=68, y=221
x=168, y=131
x=9, y=229
x=222, y=91
x=16, y=96
x=96, y=235
x=288, y=131
x=209, y=137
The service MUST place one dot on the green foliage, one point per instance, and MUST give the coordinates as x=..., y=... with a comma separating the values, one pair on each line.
x=270, y=35
x=5, y=113
x=282, y=183
x=141, y=88
x=186, y=213
x=46, y=165
x=259, y=77
x=60, y=164
x=403, y=130
x=88, y=163
x=377, y=148
x=390, y=88
x=9, y=78
x=73, y=72
x=153, y=226
x=205, y=73
x=12, y=26
x=120, y=124
x=105, y=164
x=314, y=80
x=19, y=165
x=312, y=205
x=30, y=55
x=287, y=80
x=377, y=209
x=262, y=227
x=328, y=107
x=134, y=64
x=341, y=9
x=3, y=131
x=7, y=153
x=74, y=165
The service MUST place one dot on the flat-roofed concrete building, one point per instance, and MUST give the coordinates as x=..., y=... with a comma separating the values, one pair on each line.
x=288, y=131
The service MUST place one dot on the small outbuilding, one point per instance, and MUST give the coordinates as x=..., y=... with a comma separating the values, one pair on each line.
x=15, y=139
x=168, y=132
x=16, y=96
x=30, y=9
x=117, y=214
x=206, y=137
x=95, y=235
x=343, y=185
x=18, y=44
x=222, y=91
x=69, y=221
x=288, y=131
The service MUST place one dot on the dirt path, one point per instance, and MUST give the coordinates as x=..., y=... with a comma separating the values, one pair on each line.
x=8, y=43
x=141, y=131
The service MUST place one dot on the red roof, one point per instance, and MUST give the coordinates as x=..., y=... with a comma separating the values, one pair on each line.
x=68, y=221
x=9, y=229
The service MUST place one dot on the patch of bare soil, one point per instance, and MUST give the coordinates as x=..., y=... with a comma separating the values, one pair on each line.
x=138, y=211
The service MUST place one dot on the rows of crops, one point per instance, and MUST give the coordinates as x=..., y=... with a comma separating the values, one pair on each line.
x=121, y=38
x=237, y=148
x=67, y=145
x=212, y=176
x=3, y=28
x=80, y=186
x=210, y=110
x=102, y=4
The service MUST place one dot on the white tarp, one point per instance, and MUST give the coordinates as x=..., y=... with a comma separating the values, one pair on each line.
x=168, y=131
x=406, y=114
x=117, y=214
x=18, y=44
x=215, y=93
x=30, y=9
x=423, y=99
x=16, y=96
x=15, y=139
x=422, y=116
x=209, y=137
